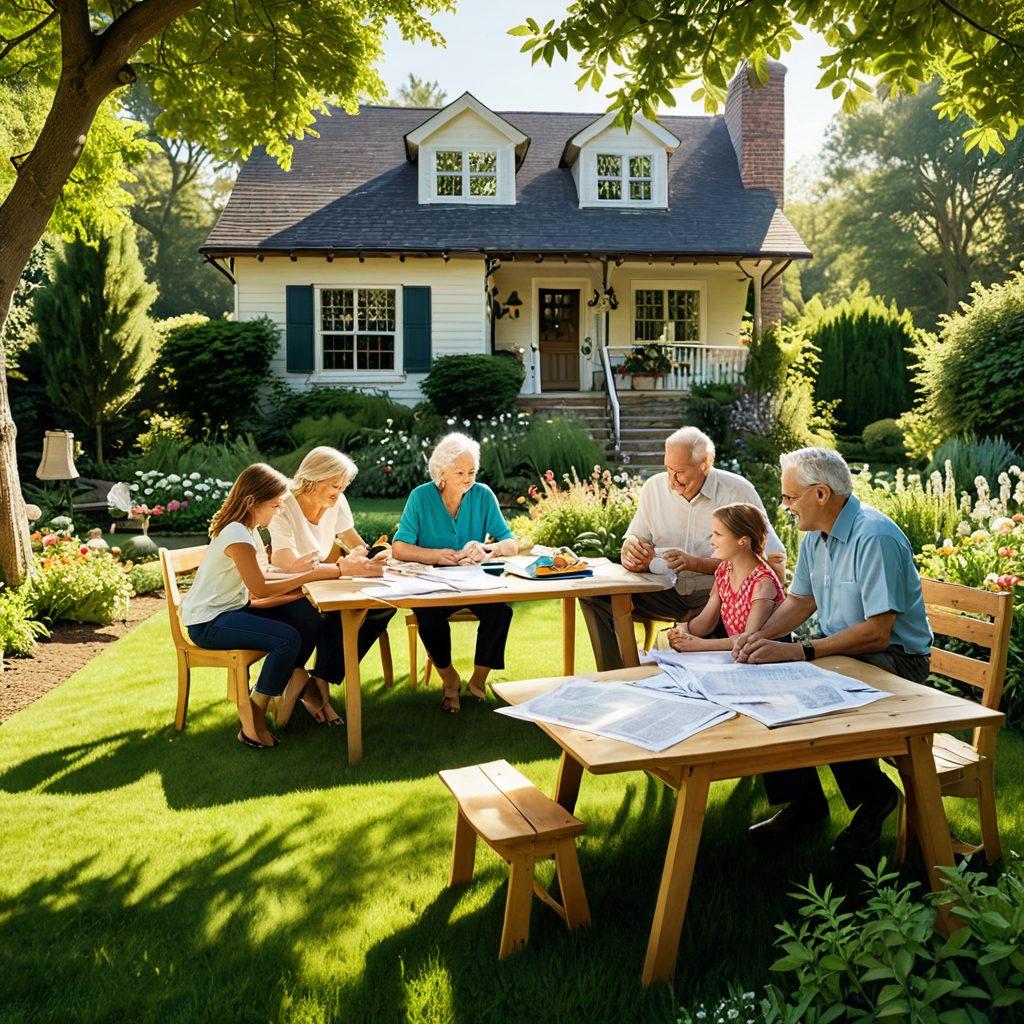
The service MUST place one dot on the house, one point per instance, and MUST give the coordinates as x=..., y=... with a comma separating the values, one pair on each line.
x=401, y=235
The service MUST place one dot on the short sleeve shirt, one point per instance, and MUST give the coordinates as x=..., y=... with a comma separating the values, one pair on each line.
x=427, y=523
x=291, y=529
x=865, y=567
x=218, y=585
x=666, y=519
x=736, y=604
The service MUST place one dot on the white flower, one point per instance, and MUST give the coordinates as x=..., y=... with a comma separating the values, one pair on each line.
x=963, y=529
x=188, y=494
x=193, y=476
x=148, y=490
x=1002, y=525
x=119, y=497
x=134, y=487
x=199, y=497
x=173, y=478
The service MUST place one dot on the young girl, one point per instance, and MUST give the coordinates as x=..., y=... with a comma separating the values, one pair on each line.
x=746, y=590
x=217, y=613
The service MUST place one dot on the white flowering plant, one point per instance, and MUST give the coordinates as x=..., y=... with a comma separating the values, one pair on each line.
x=739, y=1007
x=189, y=500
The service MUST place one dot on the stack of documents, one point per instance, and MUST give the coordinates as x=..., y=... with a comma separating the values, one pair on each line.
x=463, y=578
x=621, y=711
x=777, y=694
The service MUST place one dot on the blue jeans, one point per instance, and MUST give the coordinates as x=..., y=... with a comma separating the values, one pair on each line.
x=257, y=630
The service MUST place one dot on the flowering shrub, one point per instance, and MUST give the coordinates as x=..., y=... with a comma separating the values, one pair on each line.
x=646, y=360
x=392, y=463
x=601, y=504
x=18, y=630
x=188, y=500
x=736, y=1008
x=77, y=583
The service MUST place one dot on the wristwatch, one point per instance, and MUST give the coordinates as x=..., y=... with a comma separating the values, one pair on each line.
x=808, y=651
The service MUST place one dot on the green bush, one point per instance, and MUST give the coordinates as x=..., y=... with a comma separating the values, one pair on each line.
x=709, y=408
x=77, y=586
x=370, y=525
x=972, y=457
x=972, y=378
x=212, y=372
x=469, y=386
x=770, y=358
x=925, y=510
x=146, y=578
x=18, y=630
x=560, y=446
x=866, y=353
x=883, y=960
x=883, y=440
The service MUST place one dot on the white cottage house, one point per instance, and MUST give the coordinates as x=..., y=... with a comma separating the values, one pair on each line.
x=401, y=235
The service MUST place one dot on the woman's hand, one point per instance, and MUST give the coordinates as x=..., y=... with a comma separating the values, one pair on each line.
x=474, y=552
x=446, y=556
x=685, y=642
x=360, y=565
x=326, y=571
x=305, y=562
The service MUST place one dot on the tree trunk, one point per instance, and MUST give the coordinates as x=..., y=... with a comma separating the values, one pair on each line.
x=99, y=444
x=23, y=218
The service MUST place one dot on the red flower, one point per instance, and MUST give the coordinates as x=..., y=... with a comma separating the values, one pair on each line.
x=84, y=549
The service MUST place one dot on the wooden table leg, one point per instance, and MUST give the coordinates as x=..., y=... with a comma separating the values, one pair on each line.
x=926, y=817
x=351, y=620
x=622, y=614
x=567, y=785
x=663, y=945
x=568, y=636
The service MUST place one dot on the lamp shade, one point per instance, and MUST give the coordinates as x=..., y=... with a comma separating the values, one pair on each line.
x=58, y=462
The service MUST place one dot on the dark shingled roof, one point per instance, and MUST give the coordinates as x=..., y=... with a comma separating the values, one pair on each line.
x=353, y=189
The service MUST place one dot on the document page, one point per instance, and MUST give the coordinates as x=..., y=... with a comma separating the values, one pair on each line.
x=464, y=578
x=621, y=711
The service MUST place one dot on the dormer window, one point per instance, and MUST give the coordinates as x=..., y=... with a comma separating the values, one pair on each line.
x=620, y=176
x=460, y=173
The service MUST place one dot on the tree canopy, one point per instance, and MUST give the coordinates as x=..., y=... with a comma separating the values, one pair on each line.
x=976, y=50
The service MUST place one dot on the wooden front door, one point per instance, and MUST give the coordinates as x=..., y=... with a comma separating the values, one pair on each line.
x=559, y=311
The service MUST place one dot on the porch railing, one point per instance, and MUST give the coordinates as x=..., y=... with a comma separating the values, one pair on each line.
x=692, y=364
x=612, y=396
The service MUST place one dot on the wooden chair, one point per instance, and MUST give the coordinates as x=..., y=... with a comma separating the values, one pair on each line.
x=410, y=624
x=968, y=769
x=522, y=826
x=236, y=662
x=651, y=628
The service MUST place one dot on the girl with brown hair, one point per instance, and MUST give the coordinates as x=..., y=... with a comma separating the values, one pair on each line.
x=746, y=590
x=219, y=616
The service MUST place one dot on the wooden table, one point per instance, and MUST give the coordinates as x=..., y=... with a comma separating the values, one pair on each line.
x=354, y=599
x=900, y=727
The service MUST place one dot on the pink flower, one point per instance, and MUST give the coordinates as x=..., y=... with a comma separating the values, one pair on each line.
x=1007, y=552
x=158, y=510
x=173, y=505
x=532, y=492
x=184, y=504
x=49, y=539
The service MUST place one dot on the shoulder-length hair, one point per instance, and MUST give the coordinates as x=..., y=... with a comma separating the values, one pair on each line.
x=255, y=484
x=323, y=463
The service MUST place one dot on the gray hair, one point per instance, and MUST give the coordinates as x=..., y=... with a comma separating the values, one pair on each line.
x=820, y=466
x=702, y=448
x=448, y=449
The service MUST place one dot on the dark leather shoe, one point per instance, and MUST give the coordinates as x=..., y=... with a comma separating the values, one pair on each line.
x=865, y=830
x=794, y=817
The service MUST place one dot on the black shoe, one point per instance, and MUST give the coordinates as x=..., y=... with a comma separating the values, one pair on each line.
x=794, y=817
x=865, y=830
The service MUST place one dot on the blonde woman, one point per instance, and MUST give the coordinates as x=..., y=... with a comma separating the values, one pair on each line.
x=217, y=612
x=448, y=522
x=314, y=517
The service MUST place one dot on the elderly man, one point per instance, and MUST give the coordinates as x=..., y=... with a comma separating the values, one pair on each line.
x=856, y=569
x=674, y=516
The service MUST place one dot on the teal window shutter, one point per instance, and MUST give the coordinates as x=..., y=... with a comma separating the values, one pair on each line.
x=299, y=328
x=416, y=328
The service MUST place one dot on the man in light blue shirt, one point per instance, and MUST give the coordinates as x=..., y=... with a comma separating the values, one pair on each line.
x=856, y=570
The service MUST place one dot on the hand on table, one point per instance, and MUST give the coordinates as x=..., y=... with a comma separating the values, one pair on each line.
x=306, y=562
x=681, y=639
x=636, y=554
x=474, y=552
x=360, y=565
x=763, y=651
x=446, y=556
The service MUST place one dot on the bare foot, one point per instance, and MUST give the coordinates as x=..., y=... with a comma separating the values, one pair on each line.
x=286, y=701
x=450, y=700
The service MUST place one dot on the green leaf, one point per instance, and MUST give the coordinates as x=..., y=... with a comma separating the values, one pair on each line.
x=521, y=30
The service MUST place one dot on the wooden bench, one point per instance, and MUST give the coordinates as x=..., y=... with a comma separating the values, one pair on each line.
x=521, y=825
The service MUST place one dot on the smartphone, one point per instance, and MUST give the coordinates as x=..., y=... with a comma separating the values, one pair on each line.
x=376, y=550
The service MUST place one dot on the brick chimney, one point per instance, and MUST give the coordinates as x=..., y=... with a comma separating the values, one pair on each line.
x=755, y=117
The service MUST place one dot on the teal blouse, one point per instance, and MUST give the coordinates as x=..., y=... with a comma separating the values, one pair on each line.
x=427, y=524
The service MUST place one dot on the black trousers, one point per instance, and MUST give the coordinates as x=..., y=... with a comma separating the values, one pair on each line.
x=859, y=781
x=491, y=634
x=322, y=633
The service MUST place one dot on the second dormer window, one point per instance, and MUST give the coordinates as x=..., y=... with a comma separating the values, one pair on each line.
x=624, y=178
x=461, y=174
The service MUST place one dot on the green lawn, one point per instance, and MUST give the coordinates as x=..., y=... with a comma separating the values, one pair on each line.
x=156, y=876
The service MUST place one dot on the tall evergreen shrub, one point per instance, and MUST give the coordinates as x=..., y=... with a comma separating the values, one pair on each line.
x=866, y=352
x=96, y=340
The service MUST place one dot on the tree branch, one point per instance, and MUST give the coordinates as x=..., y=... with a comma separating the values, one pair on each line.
x=986, y=30
x=136, y=26
x=10, y=44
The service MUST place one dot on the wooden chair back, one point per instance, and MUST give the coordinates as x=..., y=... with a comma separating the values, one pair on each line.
x=174, y=563
x=954, y=610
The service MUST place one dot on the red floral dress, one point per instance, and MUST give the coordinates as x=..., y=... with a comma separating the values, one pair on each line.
x=736, y=604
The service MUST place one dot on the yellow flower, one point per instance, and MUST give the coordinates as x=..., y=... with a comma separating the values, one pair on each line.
x=979, y=535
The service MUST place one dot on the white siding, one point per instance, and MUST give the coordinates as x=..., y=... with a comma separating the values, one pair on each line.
x=459, y=324
x=724, y=293
x=468, y=132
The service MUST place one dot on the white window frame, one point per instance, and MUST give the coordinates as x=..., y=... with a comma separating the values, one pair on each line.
x=354, y=375
x=466, y=173
x=625, y=178
x=700, y=287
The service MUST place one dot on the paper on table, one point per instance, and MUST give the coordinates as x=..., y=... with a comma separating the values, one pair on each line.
x=465, y=578
x=409, y=586
x=621, y=711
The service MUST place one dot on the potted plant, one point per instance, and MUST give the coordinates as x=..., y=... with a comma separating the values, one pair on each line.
x=645, y=364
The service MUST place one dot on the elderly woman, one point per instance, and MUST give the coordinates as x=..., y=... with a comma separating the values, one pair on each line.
x=315, y=526
x=456, y=521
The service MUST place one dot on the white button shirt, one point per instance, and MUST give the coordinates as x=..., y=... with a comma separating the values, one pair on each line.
x=666, y=519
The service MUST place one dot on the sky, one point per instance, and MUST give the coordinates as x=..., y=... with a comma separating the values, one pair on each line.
x=482, y=58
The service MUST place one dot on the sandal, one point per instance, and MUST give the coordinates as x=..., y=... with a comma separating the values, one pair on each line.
x=480, y=695
x=450, y=699
x=252, y=744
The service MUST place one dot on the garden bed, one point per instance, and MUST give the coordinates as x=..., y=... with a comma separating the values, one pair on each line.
x=71, y=646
